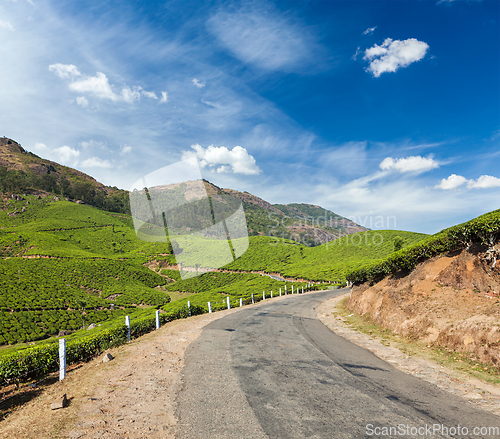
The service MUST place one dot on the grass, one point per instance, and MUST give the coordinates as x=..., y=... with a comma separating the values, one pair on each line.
x=458, y=361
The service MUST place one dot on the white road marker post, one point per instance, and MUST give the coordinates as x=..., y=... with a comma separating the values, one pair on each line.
x=241, y=302
x=271, y=294
x=157, y=319
x=62, y=359
x=228, y=304
x=253, y=301
x=302, y=289
x=127, y=322
x=209, y=308
x=189, y=308
x=292, y=289
x=263, y=295
x=285, y=290
x=280, y=292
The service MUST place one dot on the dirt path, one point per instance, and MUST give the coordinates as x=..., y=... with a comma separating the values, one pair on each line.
x=482, y=395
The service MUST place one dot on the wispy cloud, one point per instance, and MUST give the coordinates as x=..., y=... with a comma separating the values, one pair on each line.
x=96, y=162
x=370, y=30
x=6, y=25
x=391, y=55
x=125, y=149
x=82, y=101
x=264, y=38
x=198, y=83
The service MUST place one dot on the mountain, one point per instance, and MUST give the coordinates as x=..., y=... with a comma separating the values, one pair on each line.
x=22, y=171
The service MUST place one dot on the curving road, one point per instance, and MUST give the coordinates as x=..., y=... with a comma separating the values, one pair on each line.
x=276, y=371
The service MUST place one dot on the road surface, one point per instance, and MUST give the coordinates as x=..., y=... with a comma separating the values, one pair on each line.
x=276, y=371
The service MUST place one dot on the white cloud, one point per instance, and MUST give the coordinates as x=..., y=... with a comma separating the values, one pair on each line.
x=66, y=155
x=358, y=51
x=149, y=94
x=484, y=182
x=164, y=97
x=6, y=25
x=65, y=71
x=96, y=162
x=97, y=85
x=414, y=164
x=452, y=182
x=236, y=160
x=131, y=95
x=198, y=84
x=263, y=38
x=370, y=30
x=82, y=101
x=392, y=55
x=125, y=149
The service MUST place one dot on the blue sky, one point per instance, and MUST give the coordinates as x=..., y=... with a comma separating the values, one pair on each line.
x=372, y=109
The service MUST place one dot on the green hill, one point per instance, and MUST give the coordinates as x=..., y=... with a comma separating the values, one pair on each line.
x=327, y=262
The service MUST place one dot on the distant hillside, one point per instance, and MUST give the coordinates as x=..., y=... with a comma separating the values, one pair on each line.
x=22, y=172
x=305, y=223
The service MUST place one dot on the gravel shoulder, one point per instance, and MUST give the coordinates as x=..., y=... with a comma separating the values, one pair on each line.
x=482, y=395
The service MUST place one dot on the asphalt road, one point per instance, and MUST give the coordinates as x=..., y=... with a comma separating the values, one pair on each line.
x=276, y=371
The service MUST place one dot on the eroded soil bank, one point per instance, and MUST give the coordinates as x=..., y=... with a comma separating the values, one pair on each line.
x=450, y=301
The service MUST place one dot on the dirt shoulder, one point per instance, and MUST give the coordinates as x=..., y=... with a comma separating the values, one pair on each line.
x=131, y=396
x=415, y=360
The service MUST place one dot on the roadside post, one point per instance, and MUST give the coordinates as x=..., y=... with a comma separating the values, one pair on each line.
x=127, y=322
x=209, y=307
x=253, y=301
x=189, y=308
x=228, y=304
x=62, y=359
x=241, y=302
x=157, y=319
